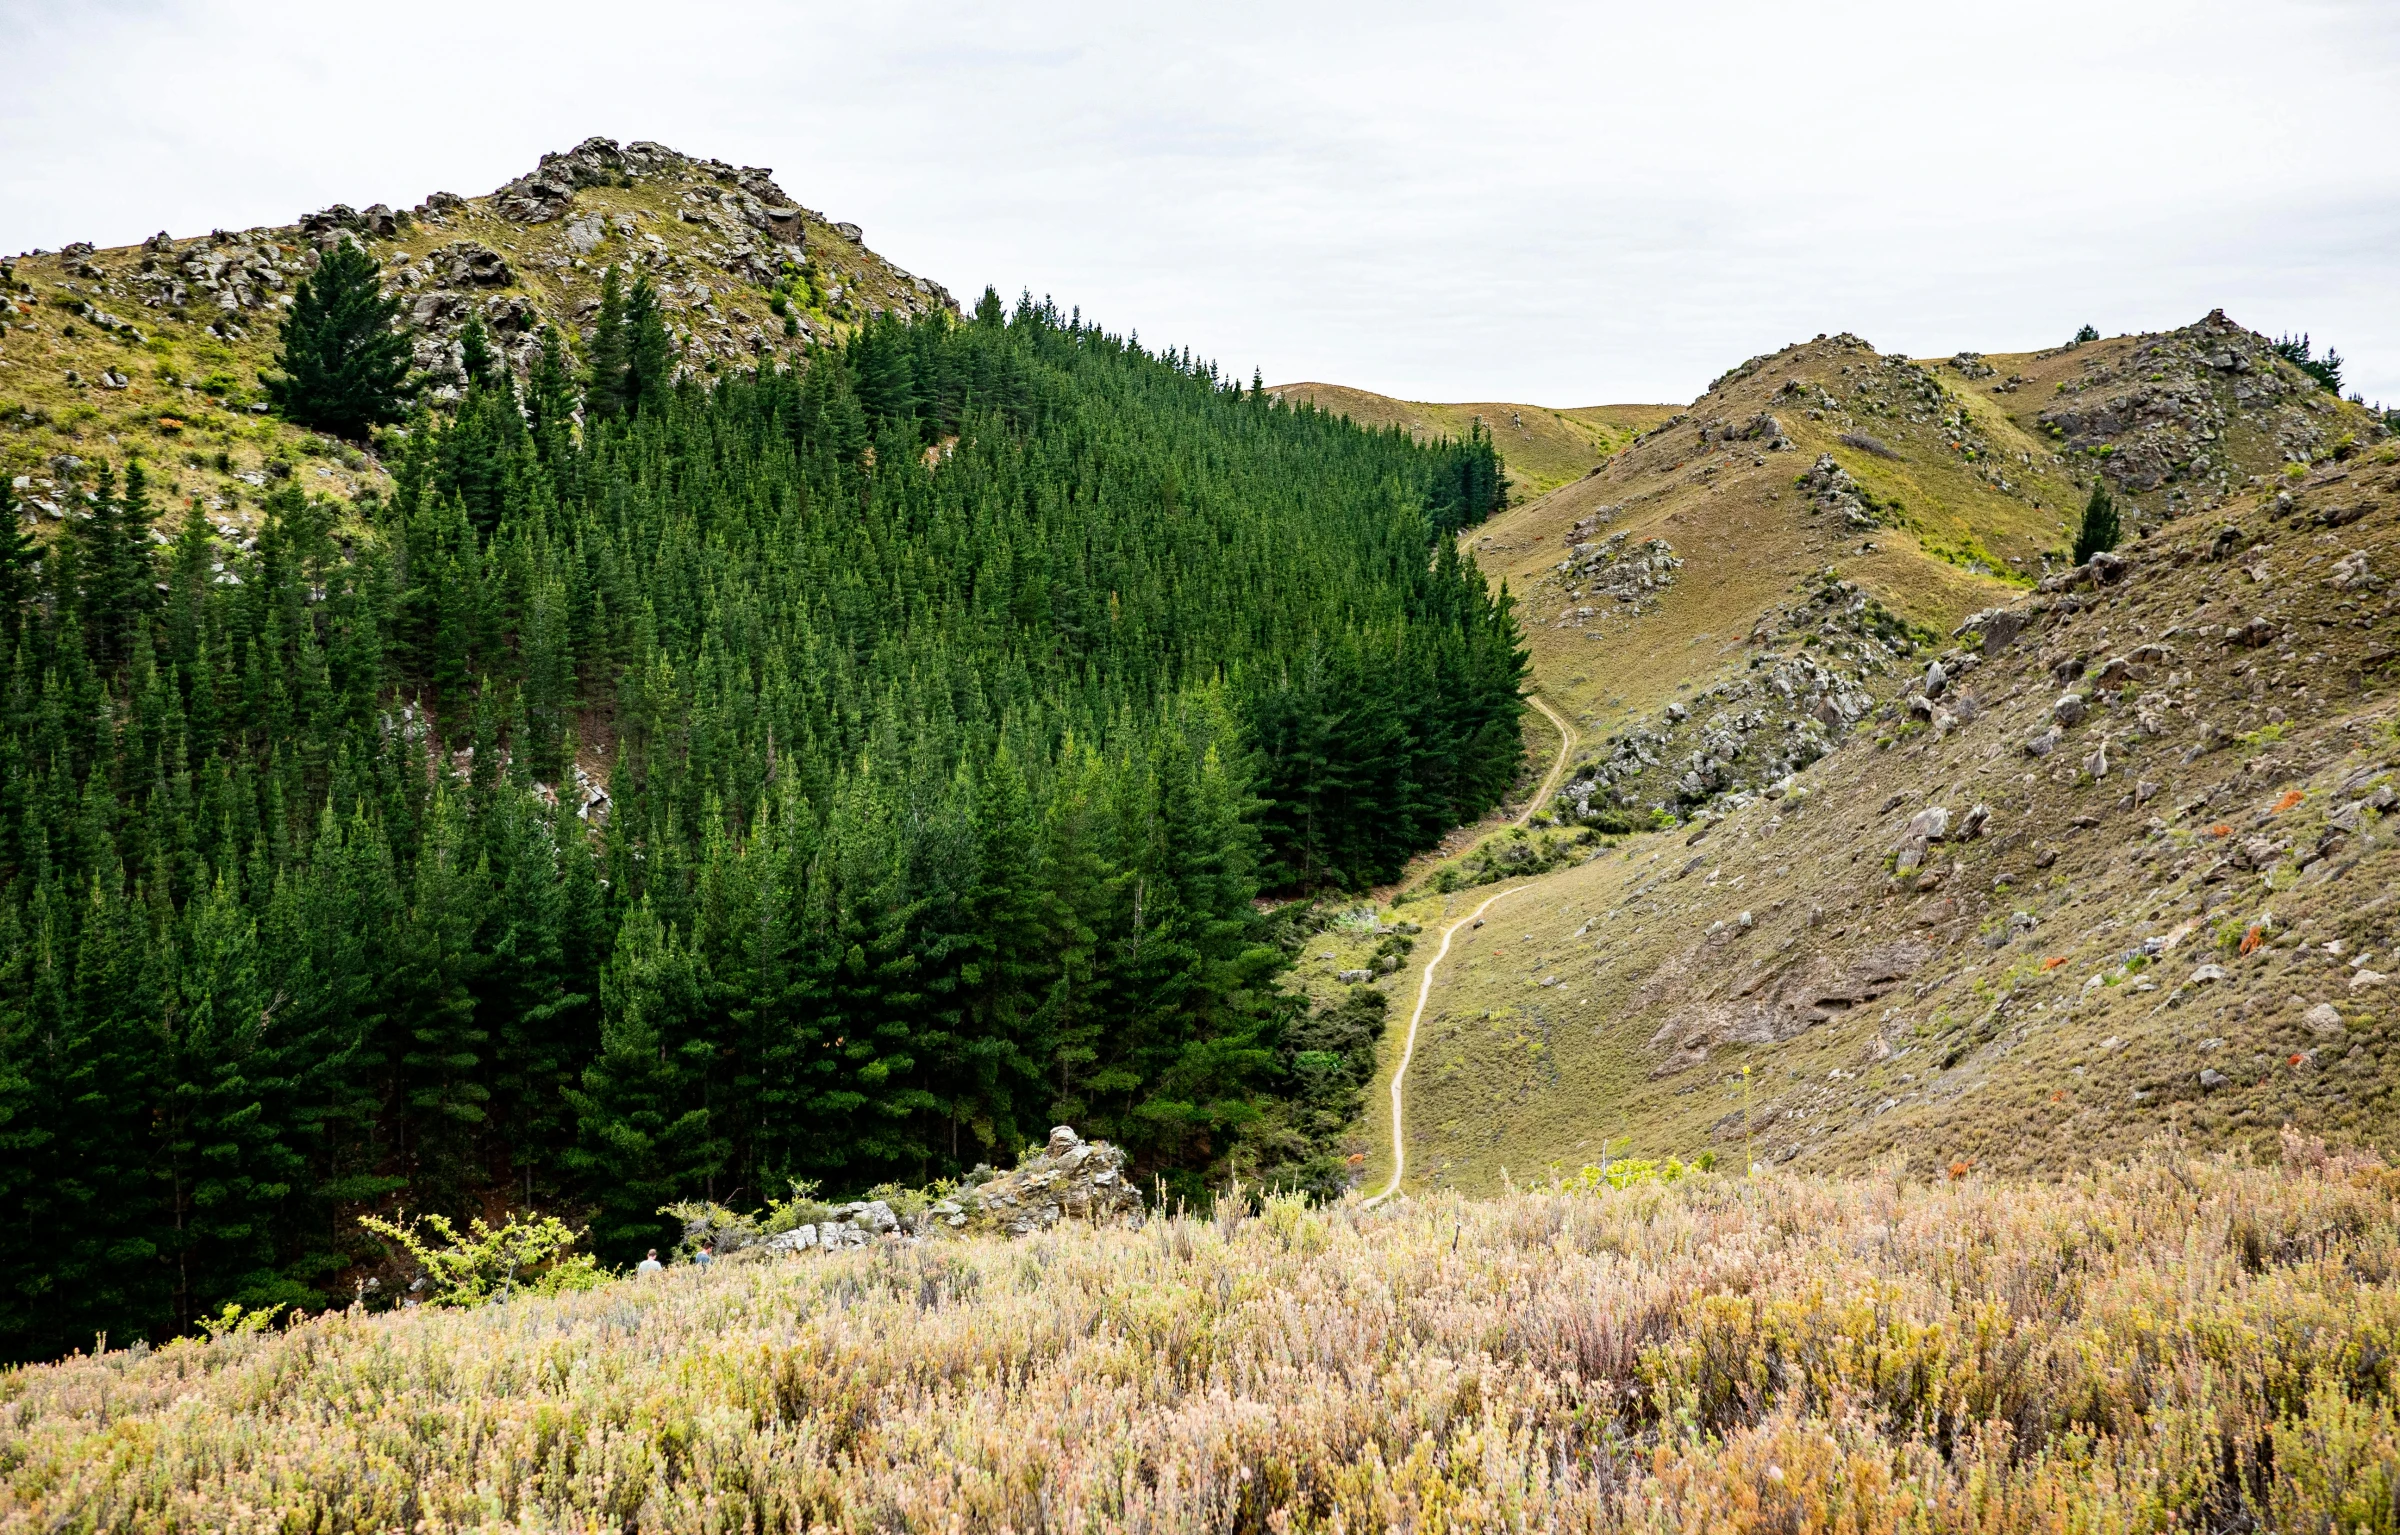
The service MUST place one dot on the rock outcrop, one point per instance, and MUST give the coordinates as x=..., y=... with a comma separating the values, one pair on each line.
x=1071, y=1179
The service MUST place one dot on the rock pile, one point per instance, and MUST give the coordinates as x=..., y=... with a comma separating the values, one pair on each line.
x=1831, y=489
x=2161, y=414
x=1070, y=1179
x=851, y=1225
x=1609, y=568
x=1745, y=734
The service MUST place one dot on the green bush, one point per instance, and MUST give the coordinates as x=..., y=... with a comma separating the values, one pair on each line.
x=2100, y=530
x=490, y=1263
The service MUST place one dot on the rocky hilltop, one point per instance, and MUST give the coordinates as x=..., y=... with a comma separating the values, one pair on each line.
x=1887, y=831
x=1723, y=600
x=156, y=349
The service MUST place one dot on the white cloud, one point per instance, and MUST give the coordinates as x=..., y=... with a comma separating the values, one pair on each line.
x=1557, y=203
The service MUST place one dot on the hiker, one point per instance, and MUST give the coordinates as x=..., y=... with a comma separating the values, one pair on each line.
x=706, y=1255
x=650, y=1265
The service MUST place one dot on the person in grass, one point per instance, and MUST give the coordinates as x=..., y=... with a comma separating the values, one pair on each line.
x=650, y=1265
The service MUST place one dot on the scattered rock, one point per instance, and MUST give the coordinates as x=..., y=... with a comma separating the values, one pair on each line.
x=2212, y=1079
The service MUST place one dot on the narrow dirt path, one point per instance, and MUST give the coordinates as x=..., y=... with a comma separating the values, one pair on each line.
x=1408, y=1048
x=1566, y=743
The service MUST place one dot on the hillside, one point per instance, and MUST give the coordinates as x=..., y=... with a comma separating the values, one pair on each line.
x=2185, y=1345
x=1827, y=605
x=836, y=772
x=155, y=350
x=1543, y=447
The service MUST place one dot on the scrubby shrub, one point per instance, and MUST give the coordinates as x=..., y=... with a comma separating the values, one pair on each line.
x=487, y=1263
x=2182, y=1345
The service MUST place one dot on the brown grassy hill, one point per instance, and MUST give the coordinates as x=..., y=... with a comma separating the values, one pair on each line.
x=155, y=350
x=1992, y=1001
x=1543, y=447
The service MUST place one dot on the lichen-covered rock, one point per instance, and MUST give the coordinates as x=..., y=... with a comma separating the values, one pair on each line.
x=1070, y=1179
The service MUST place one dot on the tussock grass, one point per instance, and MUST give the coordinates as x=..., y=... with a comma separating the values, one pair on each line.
x=2177, y=1345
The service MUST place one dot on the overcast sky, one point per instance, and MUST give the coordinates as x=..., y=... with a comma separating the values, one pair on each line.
x=1564, y=204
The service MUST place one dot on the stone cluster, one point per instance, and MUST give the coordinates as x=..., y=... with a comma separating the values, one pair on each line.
x=2163, y=414
x=1748, y=733
x=1070, y=1179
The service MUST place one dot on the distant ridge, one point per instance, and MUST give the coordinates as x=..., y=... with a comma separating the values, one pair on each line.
x=1544, y=447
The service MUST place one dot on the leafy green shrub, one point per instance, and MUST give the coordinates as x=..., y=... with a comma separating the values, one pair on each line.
x=1625, y=1172
x=491, y=1263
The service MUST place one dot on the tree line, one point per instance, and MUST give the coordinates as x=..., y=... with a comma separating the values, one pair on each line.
x=677, y=787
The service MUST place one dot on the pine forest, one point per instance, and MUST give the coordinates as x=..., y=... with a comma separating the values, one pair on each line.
x=680, y=787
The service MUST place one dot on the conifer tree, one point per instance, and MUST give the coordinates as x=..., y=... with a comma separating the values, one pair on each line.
x=649, y=352
x=550, y=401
x=475, y=359
x=343, y=364
x=2098, y=531
x=641, y=1139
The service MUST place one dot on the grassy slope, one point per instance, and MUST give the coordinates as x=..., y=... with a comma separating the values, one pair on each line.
x=1513, y=1073
x=2185, y=1345
x=1543, y=447
x=43, y=414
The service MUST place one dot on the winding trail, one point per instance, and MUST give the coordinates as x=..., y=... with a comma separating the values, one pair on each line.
x=1567, y=737
x=1408, y=1049
x=1566, y=743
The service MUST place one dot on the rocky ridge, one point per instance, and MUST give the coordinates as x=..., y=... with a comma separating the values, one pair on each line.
x=2166, y=414
x=157, y=349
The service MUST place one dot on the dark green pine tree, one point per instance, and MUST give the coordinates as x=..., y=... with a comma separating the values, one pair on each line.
x=2099, y=531
x=223, y=1157
x=476, y=361
x=19, y=553
x=343, y=365
x=649, y=351
x=611, y=353
x=642, y=1140
x=443, y=1045
x=633, y=358
x=551, y=402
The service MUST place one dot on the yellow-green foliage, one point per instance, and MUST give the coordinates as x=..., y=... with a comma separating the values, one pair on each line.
x=490, y=1262
x=2182, y=1345
x=1625, y=1172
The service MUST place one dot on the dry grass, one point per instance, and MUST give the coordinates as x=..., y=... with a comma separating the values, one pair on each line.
x=1544, y=447
x=2180, y=1345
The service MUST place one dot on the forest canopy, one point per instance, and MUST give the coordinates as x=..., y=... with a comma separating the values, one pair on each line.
x=676, y=787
